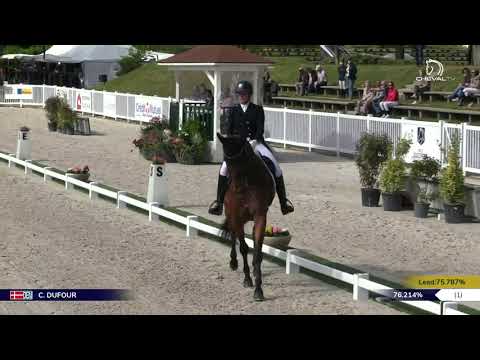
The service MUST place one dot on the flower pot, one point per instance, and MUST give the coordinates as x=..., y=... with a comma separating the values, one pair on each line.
x=392, y=201
x=370, y=197
x=454, y=214
x=277, y=241
x=421, y=210
x=81, y=177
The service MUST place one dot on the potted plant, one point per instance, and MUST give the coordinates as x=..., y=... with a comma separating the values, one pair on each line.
x=452, y=184
x=191, y=144
x=276, y=236
x=425, y=172
x=156, y=139
x=82, y=174
x=372, y=152
x=51, y=107
x=66, y=118
x=393, y=176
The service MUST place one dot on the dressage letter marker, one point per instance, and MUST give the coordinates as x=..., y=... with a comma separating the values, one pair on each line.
x=157, y=185
x=24, y=145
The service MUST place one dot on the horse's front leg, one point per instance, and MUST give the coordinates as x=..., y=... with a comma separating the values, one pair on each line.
x=247, y=282
x=233, y=253
x=260, y=223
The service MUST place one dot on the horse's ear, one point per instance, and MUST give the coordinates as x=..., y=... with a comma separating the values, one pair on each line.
x=220, y=137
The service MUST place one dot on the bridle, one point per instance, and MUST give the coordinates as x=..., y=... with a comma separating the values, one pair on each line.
x=240, y=153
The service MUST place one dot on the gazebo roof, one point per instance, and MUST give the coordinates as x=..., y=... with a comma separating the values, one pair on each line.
x=216, y=54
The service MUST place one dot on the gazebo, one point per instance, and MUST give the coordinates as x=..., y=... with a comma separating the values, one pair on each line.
x=224, y=66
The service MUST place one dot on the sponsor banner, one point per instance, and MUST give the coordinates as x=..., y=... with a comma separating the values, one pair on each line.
x=19, y=92
x=147, y=108
x=425, y=141
x=109, y=105
x=83, y=101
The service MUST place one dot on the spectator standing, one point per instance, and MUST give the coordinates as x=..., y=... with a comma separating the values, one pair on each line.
x=342, y=70
x=274, y=88
x=391, y=99
x=420, y=86
x=299, y=86
x=467, y=76
x=350, y=77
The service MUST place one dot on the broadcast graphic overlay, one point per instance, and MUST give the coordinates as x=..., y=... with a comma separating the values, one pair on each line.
x=65, y=295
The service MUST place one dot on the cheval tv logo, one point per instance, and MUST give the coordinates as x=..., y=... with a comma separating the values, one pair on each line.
x=434, y=70
x=21, y=295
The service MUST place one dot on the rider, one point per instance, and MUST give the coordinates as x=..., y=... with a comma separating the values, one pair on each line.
x=247, y=120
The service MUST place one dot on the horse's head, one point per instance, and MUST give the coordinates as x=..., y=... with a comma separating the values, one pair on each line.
x=233, y=146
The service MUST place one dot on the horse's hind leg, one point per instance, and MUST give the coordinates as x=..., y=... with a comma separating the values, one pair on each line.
x=246, y=270
x=233, y=254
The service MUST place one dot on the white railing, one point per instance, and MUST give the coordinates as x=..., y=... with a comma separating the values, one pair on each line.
x=293, y=260
x=339, y=133
x=131, y=107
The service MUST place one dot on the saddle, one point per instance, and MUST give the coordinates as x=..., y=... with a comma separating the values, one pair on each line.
x=266, y=160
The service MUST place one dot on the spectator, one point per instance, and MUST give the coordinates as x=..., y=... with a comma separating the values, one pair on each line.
x=419, y=54
x=209, y=98
x=350, y=77
x=299, y=83
x=312, y=80
x=379, y=96
x=341, y=78
x=420, y=86
x=390, y=101
x=321, y=78
x=266, y=76
x=472, y=89
x=203, y=93
x=364, y=105
x=467, y=75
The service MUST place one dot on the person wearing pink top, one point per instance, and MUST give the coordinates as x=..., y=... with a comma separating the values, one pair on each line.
x=391, y=100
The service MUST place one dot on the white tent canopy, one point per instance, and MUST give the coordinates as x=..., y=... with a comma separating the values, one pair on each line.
x=82, y=53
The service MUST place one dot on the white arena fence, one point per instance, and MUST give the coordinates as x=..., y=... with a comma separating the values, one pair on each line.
x=294, y=259
x=339, y=133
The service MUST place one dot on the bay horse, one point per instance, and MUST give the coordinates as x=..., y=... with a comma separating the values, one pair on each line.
x=250, y=193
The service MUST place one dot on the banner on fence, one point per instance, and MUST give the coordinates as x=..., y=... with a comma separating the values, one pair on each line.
x=109, y=105
x=19, y=92
x=83, y=101
x=145, y=109
x=426, y=140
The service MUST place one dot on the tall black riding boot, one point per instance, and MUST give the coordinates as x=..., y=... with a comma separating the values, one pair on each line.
x=285, y=204
x=216, y=208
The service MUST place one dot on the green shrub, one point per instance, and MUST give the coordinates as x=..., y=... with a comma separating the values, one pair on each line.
x=392, y=178
x=66, y=117
x=425, y=171
x=156, y=140
x=372, y=152
x=52, y=106
x=191, y=143
x=130, y=62
x=452, y=180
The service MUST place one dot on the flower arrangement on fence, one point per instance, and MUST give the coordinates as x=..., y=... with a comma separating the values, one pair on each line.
x=273, y=231
x=190, y=144
x=156, y=141
x=80, y=173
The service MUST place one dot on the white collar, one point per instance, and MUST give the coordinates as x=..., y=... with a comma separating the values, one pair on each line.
x=245, y=106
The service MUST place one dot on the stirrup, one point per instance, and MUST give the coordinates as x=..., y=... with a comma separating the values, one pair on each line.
x=216, y=208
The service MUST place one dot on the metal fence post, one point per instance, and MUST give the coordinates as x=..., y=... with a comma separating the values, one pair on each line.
x=291, y=268
x=180, y=114
x=43, y=96
x=191, y=232
x=441, y=124
x=284, y=127
x=126, y=115
x=310, y=130
x=338, y=134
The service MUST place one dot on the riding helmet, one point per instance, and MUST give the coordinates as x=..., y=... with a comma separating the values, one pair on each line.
x=244, y=87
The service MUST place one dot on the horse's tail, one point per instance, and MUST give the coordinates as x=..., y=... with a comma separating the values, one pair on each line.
x=225, y=232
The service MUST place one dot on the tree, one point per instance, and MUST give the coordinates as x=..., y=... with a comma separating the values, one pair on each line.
x=475, y=55
x=133, y=60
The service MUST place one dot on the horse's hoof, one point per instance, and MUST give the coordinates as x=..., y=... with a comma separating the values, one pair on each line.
x=234, y=265
x=258, y=295
x=248, y=283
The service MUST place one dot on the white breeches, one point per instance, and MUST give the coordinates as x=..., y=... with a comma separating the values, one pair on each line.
x=262, y=150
